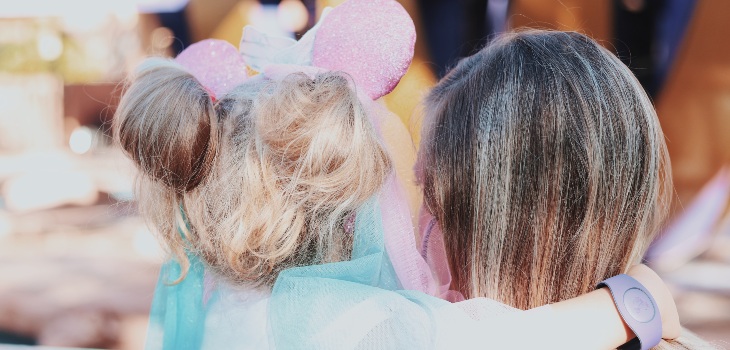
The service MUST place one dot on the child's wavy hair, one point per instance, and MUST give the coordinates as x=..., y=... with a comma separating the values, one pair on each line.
x=262, y=180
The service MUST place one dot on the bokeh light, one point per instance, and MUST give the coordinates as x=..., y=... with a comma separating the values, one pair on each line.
x=81, y=140
x=292, y=15
x=50, y=46
x=162, y=38
x=37, y=191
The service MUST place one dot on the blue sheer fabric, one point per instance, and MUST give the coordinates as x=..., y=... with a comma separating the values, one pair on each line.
x=345, y=305
x=178, y=315
x=353, y=304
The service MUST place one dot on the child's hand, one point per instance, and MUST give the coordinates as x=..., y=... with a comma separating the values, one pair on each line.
x=665, y=302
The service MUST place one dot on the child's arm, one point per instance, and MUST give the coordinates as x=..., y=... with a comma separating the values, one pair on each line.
x=590, y=321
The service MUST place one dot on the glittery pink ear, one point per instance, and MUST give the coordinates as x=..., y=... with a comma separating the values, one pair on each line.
x=216, y=64
x=372, y=40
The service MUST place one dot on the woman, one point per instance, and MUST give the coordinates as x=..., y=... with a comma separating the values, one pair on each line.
x=545, y=166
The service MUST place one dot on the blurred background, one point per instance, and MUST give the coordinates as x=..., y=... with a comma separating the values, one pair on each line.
x=77, y=264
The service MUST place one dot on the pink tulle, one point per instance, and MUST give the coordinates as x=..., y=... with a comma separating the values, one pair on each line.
x=430, y=273
x=434, y=252
x=210, y=283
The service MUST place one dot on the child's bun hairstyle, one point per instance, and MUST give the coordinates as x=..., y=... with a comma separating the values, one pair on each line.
x=167, y=124
x=262, y=180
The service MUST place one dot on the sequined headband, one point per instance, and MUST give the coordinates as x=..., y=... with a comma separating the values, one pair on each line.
x=371, y=40
x=216, y=64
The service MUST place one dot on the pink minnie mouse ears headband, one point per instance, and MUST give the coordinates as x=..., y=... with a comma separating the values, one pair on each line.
x=216, y=64
x=371, y=40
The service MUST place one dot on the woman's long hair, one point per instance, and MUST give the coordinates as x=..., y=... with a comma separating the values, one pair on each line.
x=545, y=165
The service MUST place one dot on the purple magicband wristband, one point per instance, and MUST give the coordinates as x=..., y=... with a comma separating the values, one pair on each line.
x=637, y=308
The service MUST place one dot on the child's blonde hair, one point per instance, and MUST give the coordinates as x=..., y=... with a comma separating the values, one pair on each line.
x=260, y=181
